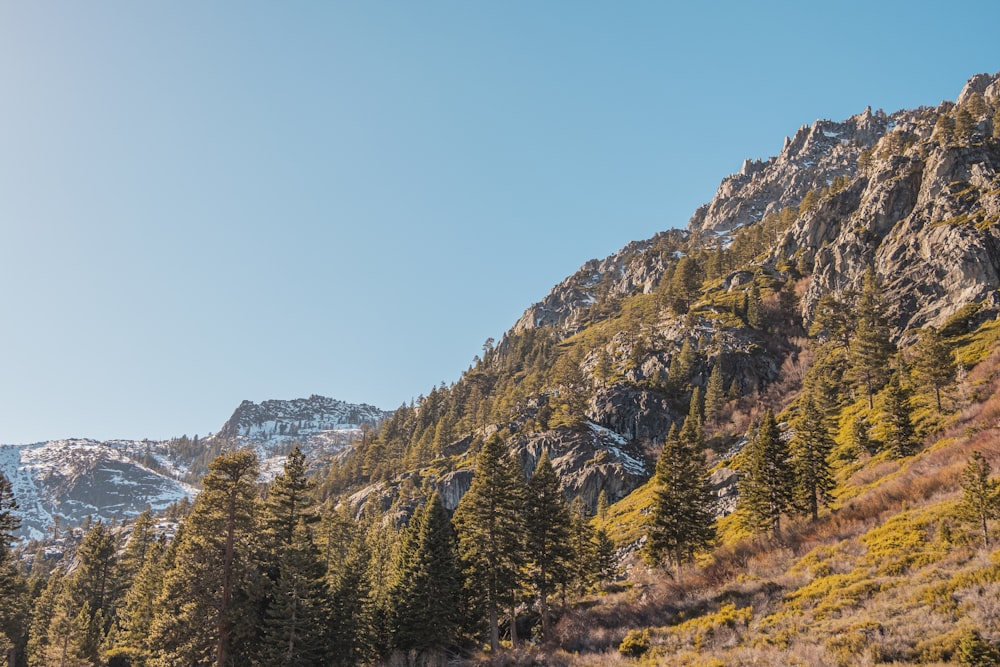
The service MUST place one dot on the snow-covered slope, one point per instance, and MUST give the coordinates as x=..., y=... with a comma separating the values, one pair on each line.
x=68, y=480
x=73, y=479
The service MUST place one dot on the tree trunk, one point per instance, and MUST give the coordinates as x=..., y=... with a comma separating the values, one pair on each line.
x=494, y=628
x=225, y=626
x=513, y=625
x=543, y=605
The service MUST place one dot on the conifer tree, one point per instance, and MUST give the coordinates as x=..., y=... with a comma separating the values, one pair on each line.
x=489, y=523
x=426, y=598
x=682, y=366
x=685, y=284
x=603, y=504
x=765, y=485
x=547, y=530
x=715, y=393
x=859, y=436
x=352, y=624
x=934, y=366
x=135, y=617
x=606, y=556
x=289, y=501
x=297, y=618
x=140, y=542
x=583, y=568
x=683, y=511
x=871, y=346
x=900, y=437
x=12, y=598
x=981, y=495
x=810, y=448
x=95, y=580
x=755, y=309
x=832, y=321
x=204, y=612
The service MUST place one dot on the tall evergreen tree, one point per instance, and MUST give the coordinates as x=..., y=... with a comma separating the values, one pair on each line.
x=755, y=309
x=426, y=599
x=981, y=495
x=489, y=523
x=203, y=613
x=871, y=346
x=683, y=514
x=715, y=393
x=352, y=624
x=832, y=321
x=547, y=529
x=933, y=366
x=12, y=589
x=298, y=616
x=685, y=285
x=95, y=580
x=289, y=501
x=899, y=434
x=810, y=448
x=765, y=485
x=583, y=569
x=135, y=617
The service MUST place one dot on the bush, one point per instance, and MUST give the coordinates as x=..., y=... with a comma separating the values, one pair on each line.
x=635, y=644
x=974, y=651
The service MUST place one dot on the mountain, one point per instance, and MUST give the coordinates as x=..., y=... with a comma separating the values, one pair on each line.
x=76, y=478
x=320, y=426
x=838, y=301
x=69, y=480
x=618, y=347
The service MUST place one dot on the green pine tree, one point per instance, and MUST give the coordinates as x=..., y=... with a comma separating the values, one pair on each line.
x=297, y=618
x=981, y=495
x=872, y=347
x=898, y=432
x=135, y=618
x=352, y=624
x=682, y=521
x=427, y=596
x=489, y=520
x=205, y=615
x=685, y=285
x=547, y=535
x=715, y=393
x=755, y=309
x=810, y=449
x=934, y=365
x=606, y=556
x=13, y=611
x=583, y=567
x=832, y=321
x=766, y=480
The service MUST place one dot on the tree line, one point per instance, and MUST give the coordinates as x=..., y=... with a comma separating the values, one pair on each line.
x=265, y=575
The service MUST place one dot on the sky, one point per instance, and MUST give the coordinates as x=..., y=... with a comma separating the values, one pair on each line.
x=202, y=203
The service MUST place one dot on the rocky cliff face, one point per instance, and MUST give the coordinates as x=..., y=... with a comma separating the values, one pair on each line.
x=923, y=211
x=635, y=269
x=810, y=160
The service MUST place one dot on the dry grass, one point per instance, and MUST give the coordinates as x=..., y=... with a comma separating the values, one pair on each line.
x=877, y=580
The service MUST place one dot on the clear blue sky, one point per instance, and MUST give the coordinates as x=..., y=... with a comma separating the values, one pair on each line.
x=207, y=202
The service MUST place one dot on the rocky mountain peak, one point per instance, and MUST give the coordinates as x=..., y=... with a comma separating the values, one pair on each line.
x=809, y=160
x=300, y=417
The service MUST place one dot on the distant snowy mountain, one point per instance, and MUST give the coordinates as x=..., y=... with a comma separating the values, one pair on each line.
x=320, y=426
x=68, y=480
